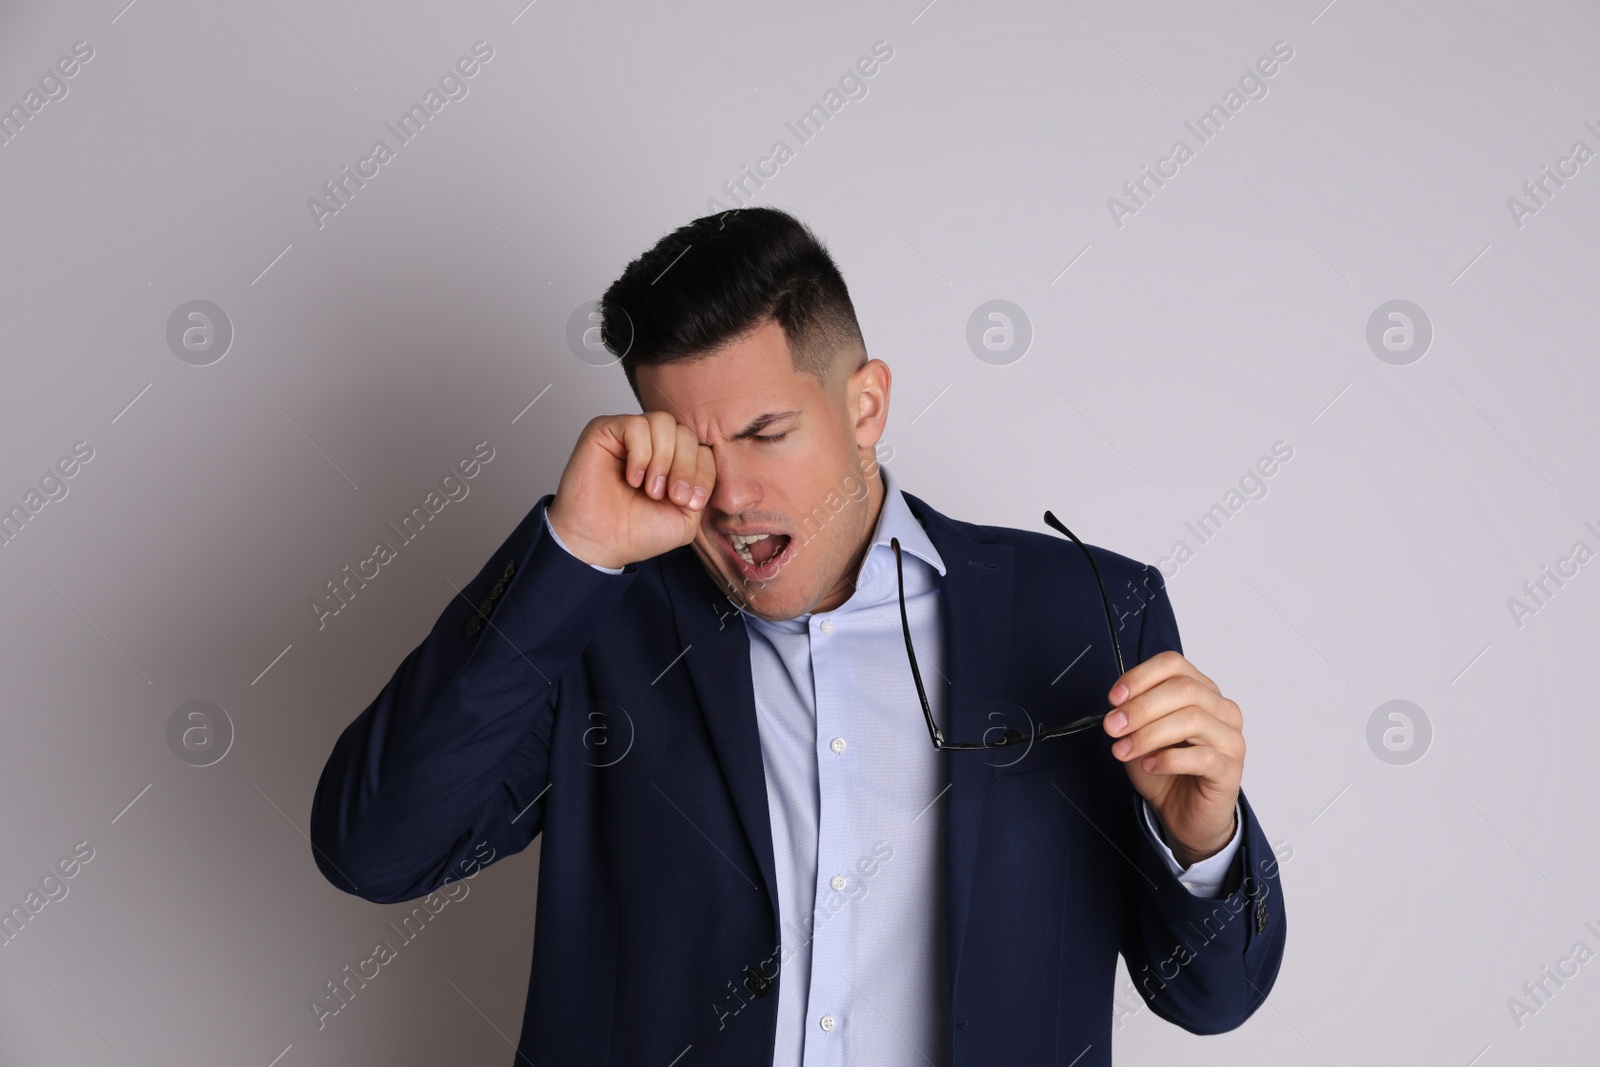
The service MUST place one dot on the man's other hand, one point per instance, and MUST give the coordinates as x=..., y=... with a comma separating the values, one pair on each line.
x=1182, y=743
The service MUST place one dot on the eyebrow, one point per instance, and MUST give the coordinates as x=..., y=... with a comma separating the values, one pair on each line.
x=761, y=422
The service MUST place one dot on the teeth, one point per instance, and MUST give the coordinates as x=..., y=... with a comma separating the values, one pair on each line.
x=742, y=543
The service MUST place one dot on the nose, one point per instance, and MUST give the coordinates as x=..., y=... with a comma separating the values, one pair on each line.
x=736, y=492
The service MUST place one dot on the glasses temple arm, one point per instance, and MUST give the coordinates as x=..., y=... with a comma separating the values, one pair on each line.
x=1105, y=600
x=916, y=675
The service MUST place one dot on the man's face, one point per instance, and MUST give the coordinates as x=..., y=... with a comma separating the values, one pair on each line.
x=794, y=459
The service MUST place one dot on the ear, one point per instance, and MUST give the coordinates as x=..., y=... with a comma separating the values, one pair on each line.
x=867, y=400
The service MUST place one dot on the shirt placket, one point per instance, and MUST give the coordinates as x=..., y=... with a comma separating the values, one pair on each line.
x=829, y=1008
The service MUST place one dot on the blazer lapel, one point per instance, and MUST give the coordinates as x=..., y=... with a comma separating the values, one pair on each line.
x=975, y=598
x=717, y=656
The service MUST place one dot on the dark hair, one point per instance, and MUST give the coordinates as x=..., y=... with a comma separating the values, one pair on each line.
x=719, y=277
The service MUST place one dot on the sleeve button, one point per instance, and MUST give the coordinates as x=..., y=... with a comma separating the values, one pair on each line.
x=758, y=984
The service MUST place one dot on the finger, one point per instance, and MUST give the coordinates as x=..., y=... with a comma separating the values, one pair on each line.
x=1152, y=672
x=685, y=462
x=1201, y=761
x=705, y=478
x=1178, y=691
x=1189, y=725
x=663, y=434
x=634, y=432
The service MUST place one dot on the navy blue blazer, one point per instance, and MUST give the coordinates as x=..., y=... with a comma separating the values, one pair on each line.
x=615, y=714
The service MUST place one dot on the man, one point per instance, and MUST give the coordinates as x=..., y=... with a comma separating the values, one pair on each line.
x=688, y=668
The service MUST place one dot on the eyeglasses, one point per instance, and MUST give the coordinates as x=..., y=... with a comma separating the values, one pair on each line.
x=1009, y=736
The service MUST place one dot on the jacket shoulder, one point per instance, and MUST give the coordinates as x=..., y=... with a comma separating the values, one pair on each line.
x=1043, y=553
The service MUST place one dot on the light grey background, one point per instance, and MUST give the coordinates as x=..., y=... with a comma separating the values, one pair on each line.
x=1168, y=354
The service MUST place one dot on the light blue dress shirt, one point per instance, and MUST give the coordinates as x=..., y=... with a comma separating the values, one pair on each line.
x=854, y=789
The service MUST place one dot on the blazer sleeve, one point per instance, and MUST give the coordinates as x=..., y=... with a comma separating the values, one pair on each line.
x=442, y=772
x=1204, y=964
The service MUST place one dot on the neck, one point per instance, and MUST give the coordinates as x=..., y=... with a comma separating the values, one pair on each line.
x=847, y=582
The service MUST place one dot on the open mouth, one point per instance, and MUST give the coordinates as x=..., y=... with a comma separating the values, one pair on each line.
x=758, y=556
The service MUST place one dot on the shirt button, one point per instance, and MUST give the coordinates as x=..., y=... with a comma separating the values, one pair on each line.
x=837, y=883
x=837, y=744
x=828, y=1023
x=827, y=626
x=1188, y=886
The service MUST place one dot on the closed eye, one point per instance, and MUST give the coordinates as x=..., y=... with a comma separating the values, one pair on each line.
x=772, y=436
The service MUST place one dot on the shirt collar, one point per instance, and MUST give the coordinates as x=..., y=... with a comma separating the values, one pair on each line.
x=895, y=520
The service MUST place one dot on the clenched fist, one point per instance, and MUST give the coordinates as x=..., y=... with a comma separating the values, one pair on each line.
x=635, y=486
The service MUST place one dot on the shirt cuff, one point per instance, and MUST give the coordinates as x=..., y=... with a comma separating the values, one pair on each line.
x=1204, y=878
x=574, y=555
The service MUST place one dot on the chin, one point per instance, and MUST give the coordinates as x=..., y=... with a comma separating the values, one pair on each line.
x=779, y=599
x=770, y=597
x=769, y=601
